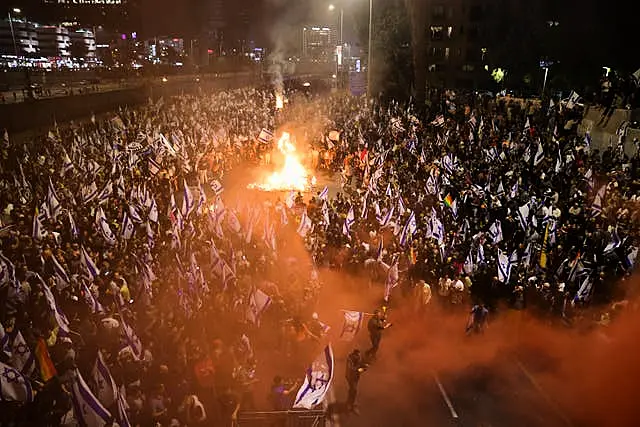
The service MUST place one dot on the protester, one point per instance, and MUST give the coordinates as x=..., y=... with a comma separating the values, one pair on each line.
x=131, y=284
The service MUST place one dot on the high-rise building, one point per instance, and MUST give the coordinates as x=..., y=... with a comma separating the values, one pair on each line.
x=118, y=15
x=318, y=43
x=24, y=33
x=467, y=38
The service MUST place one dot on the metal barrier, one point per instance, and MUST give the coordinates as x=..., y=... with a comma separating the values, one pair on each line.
x=282, y=419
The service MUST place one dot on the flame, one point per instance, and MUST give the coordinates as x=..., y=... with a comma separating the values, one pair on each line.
x=279, y=101
x=292, y=176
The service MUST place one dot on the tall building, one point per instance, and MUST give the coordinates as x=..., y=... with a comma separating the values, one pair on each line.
x=118, y=15
x=24, y=33
x=466, y=39
x=54, y=41
x=318, y=43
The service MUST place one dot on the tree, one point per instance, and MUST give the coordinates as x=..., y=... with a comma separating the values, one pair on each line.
x=391, y=44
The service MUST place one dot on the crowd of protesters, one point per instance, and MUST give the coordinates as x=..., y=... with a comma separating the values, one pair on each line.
x=121, y=253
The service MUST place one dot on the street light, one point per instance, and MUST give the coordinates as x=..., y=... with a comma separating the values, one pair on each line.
x=369, y=56
x=16, y=11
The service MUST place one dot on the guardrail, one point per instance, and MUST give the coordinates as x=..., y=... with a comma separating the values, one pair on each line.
x=293, y=418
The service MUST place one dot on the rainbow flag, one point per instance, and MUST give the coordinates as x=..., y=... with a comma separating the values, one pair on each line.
x=47, y=370
x=448, y=200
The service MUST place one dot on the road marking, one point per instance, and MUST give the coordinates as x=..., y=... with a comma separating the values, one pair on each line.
x=445, y=396
x=552, y=404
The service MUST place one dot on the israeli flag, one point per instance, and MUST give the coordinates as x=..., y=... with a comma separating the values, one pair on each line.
x=305, y=225
x=409, y=229
x=258, y=304
x=317, y=381
x=386, y=220
x=348, y=222
x=21, y=356
x=104, y=385
x=131, y=340
x=504, y=267
x=14, y=387
x=128, y=228
x=393, y=278
x=539, y=155
x=91, y=301
x=352, y=324
x=523, y=216
x=188, y=201
x=526, y=256
x=134, y=215
x=324, y=194
x=495, y=232
x=265, y=136
x=87, y=408
x=53, y=203
x=88, y=263
x=103, y=225
x=216, y=187
x=153, y=211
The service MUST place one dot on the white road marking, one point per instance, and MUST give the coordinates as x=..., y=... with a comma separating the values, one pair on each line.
x=445, y=396
x=552, y=404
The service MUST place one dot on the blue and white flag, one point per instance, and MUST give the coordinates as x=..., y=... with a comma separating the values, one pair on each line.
x=131, y=340
x=87, y=408
x=584, y=292
x=89, y=192
x=539, y=155
x=388, y=191
x=53, y=203
x=514, y=191
x=216, y=187
x=258, y=304
x=348, y=222
x=352, y=324
x=154, y=167
x=480, y=256
x=596, y=206
x=88, y=263
x=306, y=225
x=58, y=315
x=188, y=202
x=134, y=215
x=104, y=385
x=409, y=229
x=365, y=211
x=202, y=201
x=504, y=267
x=59, y=270
x=393, y=278
x=106, y=193
x=67, y=164
x=324, y=194
x=523, y=217
x=386, y=220
x=103, y=225
x=21, y=356
x=153, y=211
x=317, y=381
x=14, y=387
x=128, y=227
x=495, y=232
x=265, y=136
x=92, y=302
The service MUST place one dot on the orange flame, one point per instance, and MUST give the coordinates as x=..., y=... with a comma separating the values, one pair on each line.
x=292, y=176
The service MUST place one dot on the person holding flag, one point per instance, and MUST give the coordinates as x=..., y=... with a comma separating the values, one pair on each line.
x=356, y=365
x=376, y=325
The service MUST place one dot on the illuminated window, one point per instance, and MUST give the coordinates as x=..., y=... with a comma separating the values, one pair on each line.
x=446, y=53
x=449, y=31
x=437, y=32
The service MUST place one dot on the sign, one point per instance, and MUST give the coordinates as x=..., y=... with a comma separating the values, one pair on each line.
x=357, y=83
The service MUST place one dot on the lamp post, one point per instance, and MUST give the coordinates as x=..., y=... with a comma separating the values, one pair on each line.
x=370, y=56
x=13, y=35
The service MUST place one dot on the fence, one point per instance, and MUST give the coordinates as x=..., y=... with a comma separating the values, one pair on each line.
x=282, y=419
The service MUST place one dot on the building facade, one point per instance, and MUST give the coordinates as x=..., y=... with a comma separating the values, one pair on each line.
x=26, y=38
x=318, y=43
